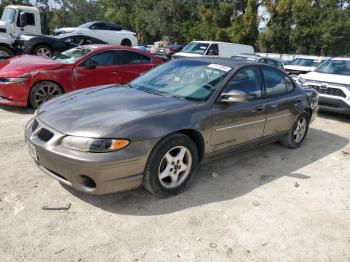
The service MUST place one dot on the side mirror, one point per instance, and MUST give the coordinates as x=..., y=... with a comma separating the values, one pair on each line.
x=91, y=64
x=234, y=96
x=23, y=19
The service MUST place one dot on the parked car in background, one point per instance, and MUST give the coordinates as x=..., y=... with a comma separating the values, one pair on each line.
x=259, y=59
x=302, y=65
x=108, y=32
x=47, y=46
x=167, y=52
x=141, y=47
x=157, y=130
x=332, y=81
x=32, y=80
x=212, y=48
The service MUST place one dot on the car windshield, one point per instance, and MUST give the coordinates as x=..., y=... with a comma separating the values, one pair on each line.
x=71, y=55
x=8, y=15
x=183, y=79
x=196, y=48
x=306, y=62
x=336, y=67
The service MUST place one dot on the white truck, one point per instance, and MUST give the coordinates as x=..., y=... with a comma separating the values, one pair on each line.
x=213, y=48
x=16, y=20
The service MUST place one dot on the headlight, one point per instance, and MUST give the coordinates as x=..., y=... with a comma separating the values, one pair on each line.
x=12, y=80
x=26, y=37
x=97, y=145
x=301, y=80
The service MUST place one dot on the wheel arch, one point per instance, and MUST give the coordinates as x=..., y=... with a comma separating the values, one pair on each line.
x=194, y=135
x=39, y=81
x=41, y=44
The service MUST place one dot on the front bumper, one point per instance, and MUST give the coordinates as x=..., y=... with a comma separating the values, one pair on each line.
x=334, y=105
x=14, y=94
x=94, y=173
x=332, y=97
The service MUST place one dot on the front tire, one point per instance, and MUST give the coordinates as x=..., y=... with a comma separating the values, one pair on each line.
x=298, y=132
x=44, y=91
x=171, y=165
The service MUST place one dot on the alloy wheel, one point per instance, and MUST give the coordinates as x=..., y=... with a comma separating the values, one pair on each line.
x=44, y=52
x=300, y=130
x=175, y=167
x=47, y=92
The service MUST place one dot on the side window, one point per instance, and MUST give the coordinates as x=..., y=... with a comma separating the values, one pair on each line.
x=132, y=58
x=270, y=62
x=213, y=50
x=275, y=82
x=279, y=64
x=115, y=27
x=263, y=60
x=99, y=26
x=31, y=19
x=102, y=59
x=289, y=83
x=247, y=80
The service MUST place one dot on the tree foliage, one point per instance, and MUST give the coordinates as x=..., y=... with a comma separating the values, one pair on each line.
x=319, y=27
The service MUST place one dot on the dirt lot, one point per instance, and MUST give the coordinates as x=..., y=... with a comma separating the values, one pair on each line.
x=269, y=204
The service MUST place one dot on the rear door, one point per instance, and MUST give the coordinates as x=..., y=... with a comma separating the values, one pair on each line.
x=239, y=123
x=280, y=101
x=131, y=64
x=104, y=73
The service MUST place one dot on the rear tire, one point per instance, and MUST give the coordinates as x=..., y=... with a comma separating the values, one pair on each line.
x=126, y=42
x=297, y=133
x=43, y=50
x=44, y=91
x=171, y=165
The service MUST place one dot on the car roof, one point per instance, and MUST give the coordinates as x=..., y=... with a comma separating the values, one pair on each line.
x=341, y=58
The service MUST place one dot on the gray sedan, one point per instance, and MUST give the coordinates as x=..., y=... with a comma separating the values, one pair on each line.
x=157, y=129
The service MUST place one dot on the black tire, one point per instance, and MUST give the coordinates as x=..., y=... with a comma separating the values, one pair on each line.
x=290, y=140
x=126, y=42
x=6, y=53
x=151, y=179
x=43, y=50
x=38, y=90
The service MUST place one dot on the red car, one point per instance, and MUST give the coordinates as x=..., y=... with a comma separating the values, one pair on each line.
x=32, y=80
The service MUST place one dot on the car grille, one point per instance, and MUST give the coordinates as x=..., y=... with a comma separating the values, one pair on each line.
x=45, y=135
x=329, y=91
x=295, y=72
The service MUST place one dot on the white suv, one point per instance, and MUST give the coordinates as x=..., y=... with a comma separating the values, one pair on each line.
x=108, y=32
x=332, y=81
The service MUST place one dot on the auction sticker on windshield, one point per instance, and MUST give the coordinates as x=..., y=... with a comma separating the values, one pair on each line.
x=220, y=67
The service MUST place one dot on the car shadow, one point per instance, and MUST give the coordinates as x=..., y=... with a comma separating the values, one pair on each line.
x=18, y=110
x=225, y=178
x=334, y=116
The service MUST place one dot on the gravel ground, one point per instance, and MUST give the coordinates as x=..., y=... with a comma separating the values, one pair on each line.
x=268, y=204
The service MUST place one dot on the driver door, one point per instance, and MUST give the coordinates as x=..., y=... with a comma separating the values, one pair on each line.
x=103, y=73
x=238, y=123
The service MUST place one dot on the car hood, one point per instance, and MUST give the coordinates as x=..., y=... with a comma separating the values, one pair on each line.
x=299, y=68
x=103, y=111
x=25, y=64
x=327, y=78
